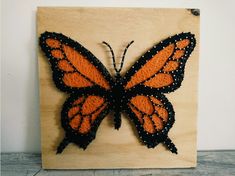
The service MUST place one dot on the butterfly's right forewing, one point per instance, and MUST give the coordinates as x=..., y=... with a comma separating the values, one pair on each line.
x=161, y=69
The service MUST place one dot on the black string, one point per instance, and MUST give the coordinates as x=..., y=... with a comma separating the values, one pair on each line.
x=124, y=54
x=113, y=56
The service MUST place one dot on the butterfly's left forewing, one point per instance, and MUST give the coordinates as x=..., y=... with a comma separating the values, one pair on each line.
x=75, y=69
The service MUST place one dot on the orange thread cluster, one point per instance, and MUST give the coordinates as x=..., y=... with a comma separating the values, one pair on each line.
x=84, y=112
x=150, y=112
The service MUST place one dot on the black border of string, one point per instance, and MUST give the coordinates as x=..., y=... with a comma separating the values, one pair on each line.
x=83, y=140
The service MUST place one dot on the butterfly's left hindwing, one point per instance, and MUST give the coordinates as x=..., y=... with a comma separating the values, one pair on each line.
x=80, y=117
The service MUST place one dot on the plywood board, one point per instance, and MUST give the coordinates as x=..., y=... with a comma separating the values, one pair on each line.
x=118, y=26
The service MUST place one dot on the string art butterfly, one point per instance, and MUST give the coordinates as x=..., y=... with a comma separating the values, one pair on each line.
x=93, y=92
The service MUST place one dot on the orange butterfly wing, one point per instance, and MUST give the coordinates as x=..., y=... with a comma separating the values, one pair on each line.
x=74, y=67
x=160, y=70
x=162, y=67
x=153, y=117
x=80, y=117
x=78, y=72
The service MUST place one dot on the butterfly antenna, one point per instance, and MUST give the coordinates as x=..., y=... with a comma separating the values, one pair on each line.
x=113, y=56
x=124, y=54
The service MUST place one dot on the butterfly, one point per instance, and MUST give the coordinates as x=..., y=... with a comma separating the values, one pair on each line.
x=93, y=92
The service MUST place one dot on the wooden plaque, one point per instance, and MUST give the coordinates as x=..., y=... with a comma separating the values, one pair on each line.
x=118, y=26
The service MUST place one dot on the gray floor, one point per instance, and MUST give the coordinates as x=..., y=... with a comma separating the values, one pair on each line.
x=209, y=163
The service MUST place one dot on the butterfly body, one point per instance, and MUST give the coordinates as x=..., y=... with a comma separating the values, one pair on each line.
x=118, y=100
x=139, y=93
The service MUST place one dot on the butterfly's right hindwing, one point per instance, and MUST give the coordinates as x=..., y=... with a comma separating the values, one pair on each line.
x=153, y=117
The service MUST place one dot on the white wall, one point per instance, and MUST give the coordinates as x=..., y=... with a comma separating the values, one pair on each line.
x=19, y=79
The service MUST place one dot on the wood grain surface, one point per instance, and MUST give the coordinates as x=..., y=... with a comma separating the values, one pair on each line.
x=118, y=26
x=214, y=163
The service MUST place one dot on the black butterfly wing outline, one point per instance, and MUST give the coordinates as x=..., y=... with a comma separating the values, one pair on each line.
x=160, y=70
x=79, y=73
